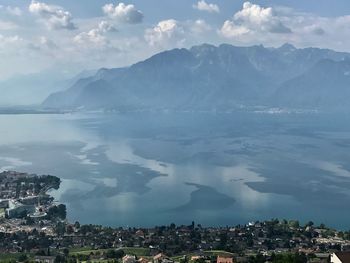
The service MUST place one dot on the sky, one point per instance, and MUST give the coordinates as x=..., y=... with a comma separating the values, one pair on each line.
x=68, y=36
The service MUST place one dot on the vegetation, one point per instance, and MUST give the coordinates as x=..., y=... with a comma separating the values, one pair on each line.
x=59, y=211
x=280, y=258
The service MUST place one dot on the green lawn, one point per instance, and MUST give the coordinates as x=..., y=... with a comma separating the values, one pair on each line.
x=85, y=251
x=128, y=250
x=138, y=251
x=218, y=252
x=8, y=257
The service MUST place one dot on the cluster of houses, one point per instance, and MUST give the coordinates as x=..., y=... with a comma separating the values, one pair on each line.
x=162, y=258
x=19, y=197
x=336, y=257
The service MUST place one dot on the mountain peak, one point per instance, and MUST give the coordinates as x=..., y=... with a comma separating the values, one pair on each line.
x=287, y=47
x=204, y=48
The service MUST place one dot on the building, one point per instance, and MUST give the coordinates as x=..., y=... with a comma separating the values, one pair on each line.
x=194, y=258
x=222, y=259
x=16, y=209
x=340, y=257
x=129, y=259
x=38, y=215
x=44, y=259
x=143, y=260
x=158, y=258
x=4, y=203
x=161, y=258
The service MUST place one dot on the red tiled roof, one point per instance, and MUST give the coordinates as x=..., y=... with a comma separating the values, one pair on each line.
x=224, y=260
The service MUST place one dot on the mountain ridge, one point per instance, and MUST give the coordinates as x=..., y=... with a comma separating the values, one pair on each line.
x=202, y=77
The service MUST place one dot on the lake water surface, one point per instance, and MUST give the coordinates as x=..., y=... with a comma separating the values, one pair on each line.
x=146, y=169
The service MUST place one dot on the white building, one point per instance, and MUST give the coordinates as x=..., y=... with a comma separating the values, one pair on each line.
x=16, y=209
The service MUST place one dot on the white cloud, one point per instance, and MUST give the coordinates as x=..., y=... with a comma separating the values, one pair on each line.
x=254, y=19
x=47, y=43
x=165, y=33
x=96, y=36
x=4, y=40
x=105, y=26
x=55, y=17
x=204, y=6
x=200, y=26
x=6, y=25
x=11, y=45
x=27, y=48
x=43, y=47
x=231, y=30
x=123, y=13
x=12, y=10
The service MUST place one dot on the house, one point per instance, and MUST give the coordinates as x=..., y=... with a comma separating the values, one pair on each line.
x=161, y=258
x=143, y=260
x=194, y=258
x=222, y=259
x=158, y=258
x=129, y=259
x=44, y=259
x=340, y=257
x=4, y=204
x=140, y=233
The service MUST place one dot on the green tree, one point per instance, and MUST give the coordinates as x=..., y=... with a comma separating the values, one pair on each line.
x=22, y=258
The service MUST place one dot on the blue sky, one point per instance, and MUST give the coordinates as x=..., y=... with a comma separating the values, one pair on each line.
x=70, y=36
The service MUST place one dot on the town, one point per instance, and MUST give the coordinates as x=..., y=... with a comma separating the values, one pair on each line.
x=25, y=204
x=33, y=228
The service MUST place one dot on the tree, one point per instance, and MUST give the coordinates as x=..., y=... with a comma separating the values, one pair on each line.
x=77, y=225
x=257, y=259
x=60, y=229
x=59, y=211
x=22, y=258
x=294, y=223
x=70, y=230
x=310, y=223
x=117, y=254
x=60, y=259
x=66, y=252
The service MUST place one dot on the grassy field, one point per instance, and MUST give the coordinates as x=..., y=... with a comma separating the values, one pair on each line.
x=86, y=251
x=10, y=257
x=218, y=253
x=140, y=252
x=137, y=251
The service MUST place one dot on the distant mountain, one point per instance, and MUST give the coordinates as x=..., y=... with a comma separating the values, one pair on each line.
x=203, y=77
x=325, y=86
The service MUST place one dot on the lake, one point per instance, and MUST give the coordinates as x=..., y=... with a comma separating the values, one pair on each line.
x=147, y=169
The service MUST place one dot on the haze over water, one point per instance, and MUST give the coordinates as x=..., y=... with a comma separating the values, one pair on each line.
x=147, y=169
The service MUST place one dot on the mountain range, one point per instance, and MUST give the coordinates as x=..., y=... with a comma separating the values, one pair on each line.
x=207, y=77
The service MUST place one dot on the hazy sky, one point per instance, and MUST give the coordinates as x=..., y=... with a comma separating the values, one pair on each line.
x=68, y=35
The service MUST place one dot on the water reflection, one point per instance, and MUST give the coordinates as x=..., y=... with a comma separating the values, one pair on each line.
x=148, y=169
